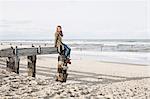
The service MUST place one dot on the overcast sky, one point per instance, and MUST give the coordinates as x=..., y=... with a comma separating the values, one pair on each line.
x=95, y=19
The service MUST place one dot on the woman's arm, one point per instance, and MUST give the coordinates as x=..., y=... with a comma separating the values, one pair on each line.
x=56, y=38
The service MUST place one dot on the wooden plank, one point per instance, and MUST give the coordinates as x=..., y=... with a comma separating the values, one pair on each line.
x=48, y=50
x=36, y=51
x=28, y=51
x=7, y=52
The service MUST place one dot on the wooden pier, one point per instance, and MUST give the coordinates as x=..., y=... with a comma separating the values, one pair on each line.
x=13, y=59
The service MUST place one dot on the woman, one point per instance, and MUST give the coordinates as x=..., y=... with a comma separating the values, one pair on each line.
x=61, y=47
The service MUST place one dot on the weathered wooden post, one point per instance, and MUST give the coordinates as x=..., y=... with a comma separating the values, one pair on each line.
x=62, y=69
x=10, y=63
x=16, y=61
x=13, y=61
x=32, y=64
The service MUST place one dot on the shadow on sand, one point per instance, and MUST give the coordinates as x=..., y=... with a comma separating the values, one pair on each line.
x=77, y=76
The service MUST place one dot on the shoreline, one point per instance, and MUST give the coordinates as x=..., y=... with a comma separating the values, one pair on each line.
x=93, y=51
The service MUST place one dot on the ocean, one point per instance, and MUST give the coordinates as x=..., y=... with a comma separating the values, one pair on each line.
x=129, y=51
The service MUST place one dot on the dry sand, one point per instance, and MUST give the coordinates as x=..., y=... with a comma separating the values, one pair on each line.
x=88, y=79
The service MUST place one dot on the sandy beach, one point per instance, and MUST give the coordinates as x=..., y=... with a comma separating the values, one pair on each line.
x=74, y=49
x=88, y=79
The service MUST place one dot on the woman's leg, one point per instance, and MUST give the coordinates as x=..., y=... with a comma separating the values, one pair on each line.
x=67, y=51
